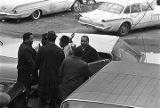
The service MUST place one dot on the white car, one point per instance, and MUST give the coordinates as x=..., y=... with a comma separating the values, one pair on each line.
x=35, y=8
x=122, y=16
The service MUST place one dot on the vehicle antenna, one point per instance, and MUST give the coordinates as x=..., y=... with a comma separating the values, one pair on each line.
x=144, y=47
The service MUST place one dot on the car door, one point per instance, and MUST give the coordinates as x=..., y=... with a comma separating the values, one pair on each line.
x=138, y=17
x=57, y=5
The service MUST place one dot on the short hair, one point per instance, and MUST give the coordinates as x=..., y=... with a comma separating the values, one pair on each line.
x=52, y=36
x=44, y=38
x=86, y=37
x=26, y=36
x=64, y=39
x=77, y=51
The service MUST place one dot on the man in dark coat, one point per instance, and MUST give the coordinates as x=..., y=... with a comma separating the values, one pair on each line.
x=89, y=53
x=26, y=61
x=73, y=73
x=49, y=59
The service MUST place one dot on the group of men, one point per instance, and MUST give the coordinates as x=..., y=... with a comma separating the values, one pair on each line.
x=60, y=70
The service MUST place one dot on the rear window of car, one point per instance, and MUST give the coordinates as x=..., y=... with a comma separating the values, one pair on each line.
x=111, y=7
x=87, y=104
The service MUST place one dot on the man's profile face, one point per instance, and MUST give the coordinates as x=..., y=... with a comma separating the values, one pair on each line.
x=84, y=41
x=31, y=39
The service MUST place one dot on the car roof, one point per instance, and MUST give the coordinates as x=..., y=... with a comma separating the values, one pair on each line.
x=102, y=43
x=126, y=2
x=122, y=83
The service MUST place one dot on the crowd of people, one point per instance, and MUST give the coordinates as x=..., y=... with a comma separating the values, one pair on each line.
x=58, y=71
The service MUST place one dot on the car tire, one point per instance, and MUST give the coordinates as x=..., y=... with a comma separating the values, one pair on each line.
x=36, y=15
x=91, y=2
x=124, y=29
x=76, y=7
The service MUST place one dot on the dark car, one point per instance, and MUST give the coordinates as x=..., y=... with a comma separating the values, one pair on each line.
x=119, y=84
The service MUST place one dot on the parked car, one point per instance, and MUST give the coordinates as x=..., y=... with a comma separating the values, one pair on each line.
x=121, y=16
x=119, y=84
x=35, y=8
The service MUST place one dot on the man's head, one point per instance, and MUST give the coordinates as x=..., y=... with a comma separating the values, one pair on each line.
x=64, y=40
x=52, y=36
x=84, y=41
x=77, y=52
x=44, y=39
x=28, y=38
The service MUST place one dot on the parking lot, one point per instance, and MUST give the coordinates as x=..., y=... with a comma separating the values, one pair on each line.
x=145, y=40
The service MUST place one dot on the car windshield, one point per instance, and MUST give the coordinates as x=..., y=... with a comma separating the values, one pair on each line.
x=124, y=51
x=87, y=104
x=111, y=7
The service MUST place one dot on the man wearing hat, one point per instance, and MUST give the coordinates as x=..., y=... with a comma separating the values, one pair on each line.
x=49, y=59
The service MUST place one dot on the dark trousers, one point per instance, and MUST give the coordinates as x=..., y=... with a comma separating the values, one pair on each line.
x=25, y=78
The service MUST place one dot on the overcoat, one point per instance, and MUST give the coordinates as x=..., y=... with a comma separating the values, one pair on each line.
x=26, y=63
x=49, y=59
x=89, y=54
x=73, y=72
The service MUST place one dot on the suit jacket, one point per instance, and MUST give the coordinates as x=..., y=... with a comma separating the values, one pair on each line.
x=89, y=54
x=49, y=59
x=26, y=58
x=73, y=73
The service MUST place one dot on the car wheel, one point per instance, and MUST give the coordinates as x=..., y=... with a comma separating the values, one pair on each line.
x=76, y=7
x=36, y=15
x=124, y=29
x=91, y=2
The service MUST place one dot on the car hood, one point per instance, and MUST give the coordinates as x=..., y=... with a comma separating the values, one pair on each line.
x=100, y=15
x=9, y=5
x=152, y=58
x=10, y=46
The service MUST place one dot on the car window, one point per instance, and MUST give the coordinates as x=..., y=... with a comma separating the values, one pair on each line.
x=111, y=7
x=127, y=10
x=135, y=8
x=145, y=6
